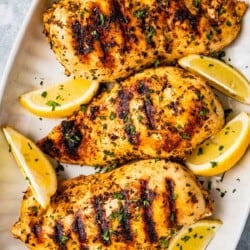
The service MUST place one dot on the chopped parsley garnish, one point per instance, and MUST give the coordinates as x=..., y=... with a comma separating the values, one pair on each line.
x=112, y=116
x=94, y=33
x=150, y=32
x=203, y=112
x=200, y=151
x=83, y=108
x=214, y=164
x=118, y=196
x=130, y=129
x=102, y=19
x=109, y=153
x=185, y=238
x=185, y=136
x=44, y=94
x=164, y=242
x=175, y=196
x=53, y=104
x=72, y=138
x=210, y=35
x=139, y=118
x=157, y=63
x=64, y=239
x=107, y=234
x=141, y=13
x=228, y=23
x=196, y=3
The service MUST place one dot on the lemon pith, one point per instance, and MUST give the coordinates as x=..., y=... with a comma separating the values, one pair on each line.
x=220, y=75
x=59, y=100
x=221, y=152
x=36, y=168
x=196, y=236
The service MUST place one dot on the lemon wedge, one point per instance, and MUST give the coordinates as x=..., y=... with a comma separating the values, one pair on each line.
x=59, y=100
x=222, y=151
x=36, y=168
x=195, y=237
x=220, y=75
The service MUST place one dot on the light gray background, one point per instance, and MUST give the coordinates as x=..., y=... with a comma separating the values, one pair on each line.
x=12, y=13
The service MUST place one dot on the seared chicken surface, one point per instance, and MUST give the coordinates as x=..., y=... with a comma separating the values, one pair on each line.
x=138, y=206
x=159, y=113
x=112, y=39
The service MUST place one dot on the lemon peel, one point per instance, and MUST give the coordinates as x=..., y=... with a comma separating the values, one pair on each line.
x=220, y=75
x=222, y=151
x=196, y=236
x=36, y=168
x=59, y=100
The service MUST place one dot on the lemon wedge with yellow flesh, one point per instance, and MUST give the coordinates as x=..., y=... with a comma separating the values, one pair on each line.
x=59, y=100
x=222, y=151
x=36, y=168
x=195, y=237
x=220, y=75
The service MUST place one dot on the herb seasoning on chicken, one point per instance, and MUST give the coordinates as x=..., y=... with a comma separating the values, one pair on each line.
x=159, y=113
x=138, y=206
x=112, y=39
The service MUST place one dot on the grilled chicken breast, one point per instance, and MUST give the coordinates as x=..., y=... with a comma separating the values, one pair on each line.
x=159, y=113
x=112, y=39
x=138, y=206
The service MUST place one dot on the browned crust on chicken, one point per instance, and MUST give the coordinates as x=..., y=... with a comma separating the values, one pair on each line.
x=159, y=113
x=112, y=39
x=138, y=206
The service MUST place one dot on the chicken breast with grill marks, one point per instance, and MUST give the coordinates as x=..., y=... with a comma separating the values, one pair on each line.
x=112, y=39
x=138, y=206
x=159, y=113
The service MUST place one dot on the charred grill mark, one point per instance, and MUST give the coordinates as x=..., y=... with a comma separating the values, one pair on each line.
x=84, y=248
x=176, y=107
x=100, y=28
x=171, y=142
x=117, y=12
x=198, y=117
x=171, y=201
x=124, y=97
x=148, y=107
x=94, y=110
x=117, y=15
x=125, y=221
x=147, y=22
x=59, y=237
x=147, y=197
x=72, y=137
x=37, y=230
x=83, y=40
x=106, y=59
x=79, y=228
x=133, y=136
x=183, y=14
x=48, y=147
x=101, y=221
x=149, y=111
x=85, y=36
x=142, y=88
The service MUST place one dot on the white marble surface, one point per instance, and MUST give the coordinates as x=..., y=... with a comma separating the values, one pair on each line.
x=12, y=14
